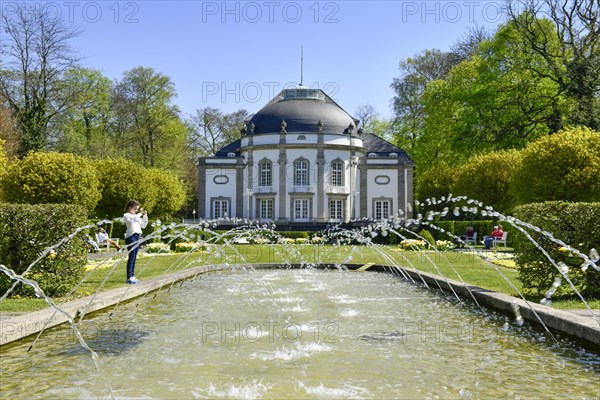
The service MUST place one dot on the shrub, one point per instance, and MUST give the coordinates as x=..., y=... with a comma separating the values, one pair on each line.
x=564, y=166
x=170, y=193
x=121, y=181
x=483, y=228
x=487, y=178
x=295, y=235
x=427, y=236
x=436, y=181
x=27, y=230
x=43, y=178
x=577, y=224
x=3, y=164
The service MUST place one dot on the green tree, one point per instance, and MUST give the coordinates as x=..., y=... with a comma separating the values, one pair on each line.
x=120, y=181
x=490, y=102
x=85, y=128
x=487, y=178
x=211, y=129
x=564, y=166
x=146, y=119
x=170, y=192
x=35, y=56
x=41, y=178
x=415, y=73
x=3, y=158
x=3, y=165
x=569, y=55
x=435, y=181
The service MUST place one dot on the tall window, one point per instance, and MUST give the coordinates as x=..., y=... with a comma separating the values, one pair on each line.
x=301, y=173
x=301, y=209
x=336, y=210
x=382, y=209
x=337, y=173
x=220, y=208
x=266, y=168
x=266, y=209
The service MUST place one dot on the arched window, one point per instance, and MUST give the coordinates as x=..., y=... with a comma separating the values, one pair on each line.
x=266, y=176
x=337, y=173
x=301, y=172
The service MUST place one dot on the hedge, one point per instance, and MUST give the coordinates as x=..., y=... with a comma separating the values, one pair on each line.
x=27, y=230
x=576, y=224
x=483, y=228
x=52, y=178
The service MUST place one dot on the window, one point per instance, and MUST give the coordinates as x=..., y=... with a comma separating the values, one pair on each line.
x=382, y=209
x=301, y=210
x=337, y=173
x=301, y=173
x=266, y=177
x=336, y=210
x=220, y=208
x=266, y=209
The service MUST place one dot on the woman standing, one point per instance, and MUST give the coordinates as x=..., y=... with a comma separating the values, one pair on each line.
x=135, y=222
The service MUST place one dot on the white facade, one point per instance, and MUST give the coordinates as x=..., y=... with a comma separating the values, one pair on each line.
x=293, y=171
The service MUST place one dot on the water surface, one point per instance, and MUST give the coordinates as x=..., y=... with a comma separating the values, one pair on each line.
x=300, y=334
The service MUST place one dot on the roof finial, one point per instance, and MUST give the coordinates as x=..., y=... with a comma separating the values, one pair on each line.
x=301, y=65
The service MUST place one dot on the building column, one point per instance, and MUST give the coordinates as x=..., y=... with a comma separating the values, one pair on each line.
x=401, y=189
x=202, y=189
x=321, y=185
x=249, y=185
x=239, y=189
x=282, y=161
x=362, y=169
x=408, y=181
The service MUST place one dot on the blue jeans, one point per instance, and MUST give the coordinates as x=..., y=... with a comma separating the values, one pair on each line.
x=487, y=242
x=133, y=246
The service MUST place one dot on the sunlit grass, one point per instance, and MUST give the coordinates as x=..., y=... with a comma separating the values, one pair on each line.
x=468, y=267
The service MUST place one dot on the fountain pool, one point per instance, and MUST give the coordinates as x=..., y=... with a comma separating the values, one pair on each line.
x=300, y=334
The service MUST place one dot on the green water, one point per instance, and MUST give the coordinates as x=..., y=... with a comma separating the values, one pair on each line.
x=300, y=334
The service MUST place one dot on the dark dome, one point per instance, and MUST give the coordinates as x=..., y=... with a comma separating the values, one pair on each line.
x=302, y=109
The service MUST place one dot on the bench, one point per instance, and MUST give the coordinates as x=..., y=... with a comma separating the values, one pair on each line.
x=471, y=239
x=501, y=240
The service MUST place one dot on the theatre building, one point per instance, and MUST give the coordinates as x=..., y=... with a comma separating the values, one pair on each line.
x=302, y=164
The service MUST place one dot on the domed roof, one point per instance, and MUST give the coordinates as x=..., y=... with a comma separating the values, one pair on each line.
x=303, y=110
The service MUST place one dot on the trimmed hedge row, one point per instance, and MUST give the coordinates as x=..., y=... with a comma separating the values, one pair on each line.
x=27, y=230
x=483, y=228
x=576, y=224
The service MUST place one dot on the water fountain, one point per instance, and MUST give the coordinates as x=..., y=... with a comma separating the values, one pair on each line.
x=312, y=327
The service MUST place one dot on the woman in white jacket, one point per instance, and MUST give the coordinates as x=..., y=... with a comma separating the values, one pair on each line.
x=135, y=222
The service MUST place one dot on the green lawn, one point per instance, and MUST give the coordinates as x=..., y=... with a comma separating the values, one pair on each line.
x=468, y=267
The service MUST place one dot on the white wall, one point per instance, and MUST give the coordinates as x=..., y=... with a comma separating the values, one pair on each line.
x=389, y=190
x=226, y=190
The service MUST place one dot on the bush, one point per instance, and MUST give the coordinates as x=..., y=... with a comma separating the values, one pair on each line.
x=121, y=181
x=294, y=235
x=576, y=224
x=426, y=235
x=3, y=164
x=43, y=178
x=436, y=181
x=564, y=166
x=27, y=230
x=170, y=194
x=483, y=228
x=487, y=178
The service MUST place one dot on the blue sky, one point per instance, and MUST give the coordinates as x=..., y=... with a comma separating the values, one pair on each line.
x=232, y=55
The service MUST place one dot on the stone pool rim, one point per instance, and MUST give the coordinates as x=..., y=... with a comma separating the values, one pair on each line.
x=584, y=329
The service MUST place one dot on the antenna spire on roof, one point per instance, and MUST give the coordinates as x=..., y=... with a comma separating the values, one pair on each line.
x=301, y=65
